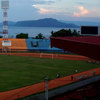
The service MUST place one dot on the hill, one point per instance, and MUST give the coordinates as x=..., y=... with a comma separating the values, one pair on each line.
x=47, y=22
x=10, y=23
x=50, y=22
x=83, y=23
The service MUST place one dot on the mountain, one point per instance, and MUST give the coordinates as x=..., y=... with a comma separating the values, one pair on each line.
x=50, y=22
x=10, y=23
x=47, y=22
x=83, y=23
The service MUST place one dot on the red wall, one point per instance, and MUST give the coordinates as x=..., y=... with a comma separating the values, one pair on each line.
x=79, y=47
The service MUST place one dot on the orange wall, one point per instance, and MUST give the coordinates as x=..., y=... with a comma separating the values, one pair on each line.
x=16, y=44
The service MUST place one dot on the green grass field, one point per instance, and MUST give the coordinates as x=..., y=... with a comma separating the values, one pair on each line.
x=18, y=71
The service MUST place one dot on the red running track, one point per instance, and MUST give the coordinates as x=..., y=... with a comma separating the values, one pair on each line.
x=52, y=56
x=40, y=87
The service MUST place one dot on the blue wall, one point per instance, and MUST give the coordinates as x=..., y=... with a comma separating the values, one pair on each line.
x=41, y=45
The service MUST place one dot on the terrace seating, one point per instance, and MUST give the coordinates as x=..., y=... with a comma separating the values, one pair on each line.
x=40, y=45
x=37, y=43
x=16, y=44
x=0, y=44
x=31, y=44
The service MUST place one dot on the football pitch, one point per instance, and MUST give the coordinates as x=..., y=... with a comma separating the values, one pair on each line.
x=20, y=71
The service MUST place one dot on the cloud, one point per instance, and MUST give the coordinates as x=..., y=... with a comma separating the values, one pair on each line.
x=82, y=12
x=42, y=10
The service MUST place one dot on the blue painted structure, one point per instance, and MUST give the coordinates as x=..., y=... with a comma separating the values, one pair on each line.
x=41, y=45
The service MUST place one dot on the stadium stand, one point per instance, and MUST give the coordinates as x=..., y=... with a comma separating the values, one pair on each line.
x=19, y=44
x=0, y=44
x=41, y=45
x=31, y=45
x=16, y=44
x=88, y=46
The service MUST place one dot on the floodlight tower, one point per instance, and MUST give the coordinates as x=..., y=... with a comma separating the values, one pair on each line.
x=5, y=7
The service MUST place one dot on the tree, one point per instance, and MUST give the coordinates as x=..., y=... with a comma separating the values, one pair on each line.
x=61, y=33
x=69, y=31
x=75, y=33
x=40, y=36
x=22, y=36
x=52, y=32
x=64, y=33
x=1, y=36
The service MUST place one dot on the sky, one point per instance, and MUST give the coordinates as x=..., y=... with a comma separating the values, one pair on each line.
x=68, y=10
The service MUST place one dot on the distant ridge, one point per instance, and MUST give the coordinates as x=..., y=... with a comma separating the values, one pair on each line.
x=47, y=22
x=50, y=22
x=82, y=23
x=10, y=23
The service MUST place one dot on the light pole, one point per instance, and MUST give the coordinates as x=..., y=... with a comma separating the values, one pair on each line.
x=46, y=88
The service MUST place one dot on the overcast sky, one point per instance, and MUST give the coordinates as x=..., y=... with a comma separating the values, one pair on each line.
x=88, y=10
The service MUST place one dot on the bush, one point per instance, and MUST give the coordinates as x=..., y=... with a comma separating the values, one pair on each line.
x=22, y=36
x=65, y=33
x=39, y=36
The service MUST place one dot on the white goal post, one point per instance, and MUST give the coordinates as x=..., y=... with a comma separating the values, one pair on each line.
x=41, y=55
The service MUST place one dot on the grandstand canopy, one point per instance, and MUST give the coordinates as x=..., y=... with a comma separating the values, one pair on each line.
x=86, y=45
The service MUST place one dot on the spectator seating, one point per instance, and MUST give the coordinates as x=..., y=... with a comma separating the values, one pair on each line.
x=31, y=45
x=16, y=44
x=41, y=45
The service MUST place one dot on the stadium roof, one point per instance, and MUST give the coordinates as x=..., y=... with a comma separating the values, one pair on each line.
x=86, y=45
